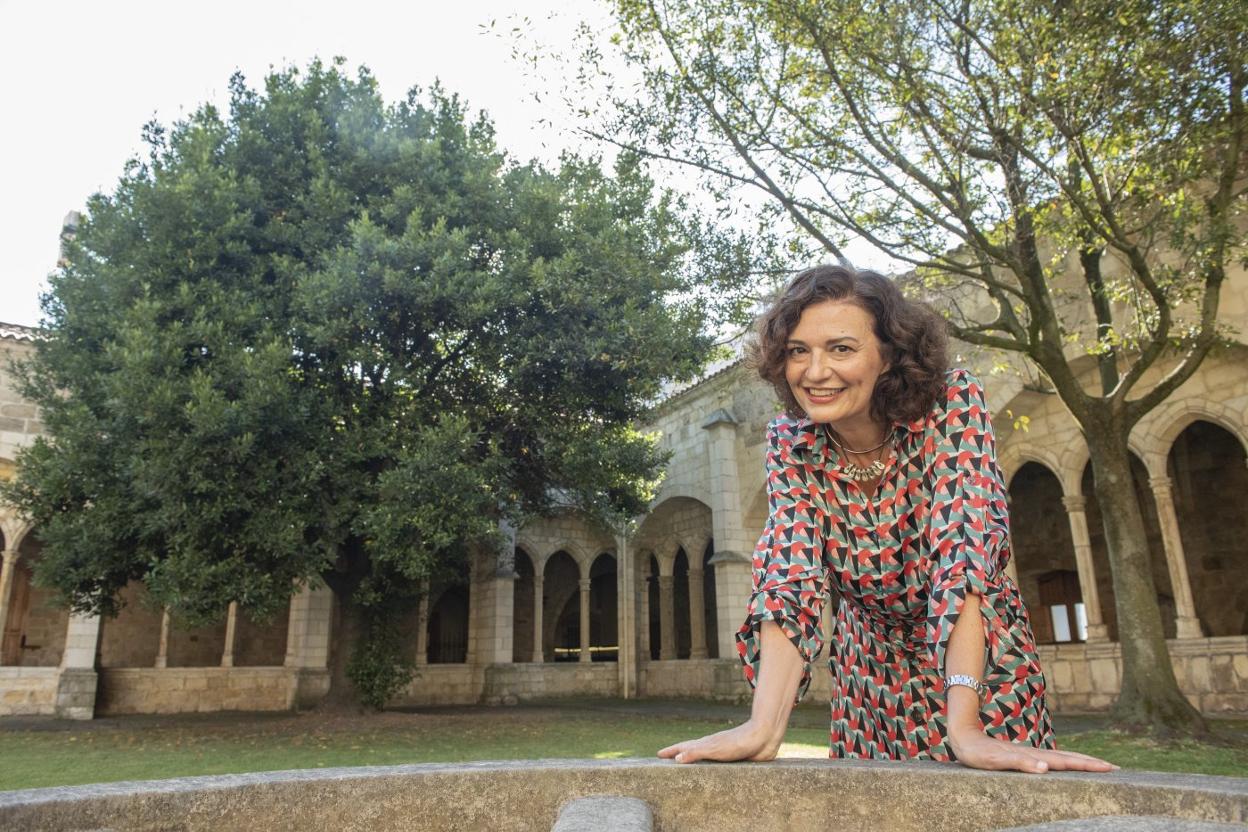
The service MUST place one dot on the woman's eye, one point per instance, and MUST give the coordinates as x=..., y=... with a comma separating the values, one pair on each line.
x=795, y=350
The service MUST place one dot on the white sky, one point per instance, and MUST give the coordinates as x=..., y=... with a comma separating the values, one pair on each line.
x=81, y=79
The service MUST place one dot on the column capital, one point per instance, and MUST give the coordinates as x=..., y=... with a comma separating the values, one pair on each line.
x=585, y=584
x=1159, y=483
x=1074, y=502
x=720, y=418
x=666, y=581
x=10, y=555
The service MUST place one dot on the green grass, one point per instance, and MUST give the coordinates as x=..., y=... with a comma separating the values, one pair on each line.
x=48, y=752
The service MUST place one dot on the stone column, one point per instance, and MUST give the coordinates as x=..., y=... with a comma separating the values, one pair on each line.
x=643, y=612
x=307, y=644
x=162, y=650
x=6, y=586
x=1076, y=513
x=586, y=654
x=422, y=627
x=697, y=612
x=734, y=544
x=231, y=625
x=667, y=616
x=76, y=684
x=539, y=653
x=626, y=617
x=1186, y=623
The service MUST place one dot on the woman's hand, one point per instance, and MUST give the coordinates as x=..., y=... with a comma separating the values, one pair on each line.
x=975, y=749
x=745, y=742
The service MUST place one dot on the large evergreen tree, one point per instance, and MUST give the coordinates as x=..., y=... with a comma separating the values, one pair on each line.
x=325, y=338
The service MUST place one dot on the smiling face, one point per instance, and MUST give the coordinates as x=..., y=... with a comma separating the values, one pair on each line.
x=833, y=359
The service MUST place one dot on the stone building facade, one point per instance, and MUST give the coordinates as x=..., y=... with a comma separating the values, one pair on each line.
x=574, y=609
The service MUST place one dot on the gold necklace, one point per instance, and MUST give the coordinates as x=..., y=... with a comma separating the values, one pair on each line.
x=858, y=472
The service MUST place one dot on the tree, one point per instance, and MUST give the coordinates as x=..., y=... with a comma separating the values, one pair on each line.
x=327, y=338
x=1005, y=152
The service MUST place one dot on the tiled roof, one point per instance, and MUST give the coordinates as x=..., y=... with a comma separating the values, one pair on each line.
x=16, y=332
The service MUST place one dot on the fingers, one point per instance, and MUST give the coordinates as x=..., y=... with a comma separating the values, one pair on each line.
x=1074, y=761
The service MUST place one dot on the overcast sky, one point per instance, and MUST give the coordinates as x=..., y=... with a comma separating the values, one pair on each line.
x=81, y=79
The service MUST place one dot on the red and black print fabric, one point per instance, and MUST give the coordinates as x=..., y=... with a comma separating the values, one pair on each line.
x=901, y=563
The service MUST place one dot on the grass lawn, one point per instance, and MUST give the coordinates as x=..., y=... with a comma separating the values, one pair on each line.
x=44, y=752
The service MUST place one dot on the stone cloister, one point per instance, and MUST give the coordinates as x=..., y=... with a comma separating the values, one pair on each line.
x=573, y=609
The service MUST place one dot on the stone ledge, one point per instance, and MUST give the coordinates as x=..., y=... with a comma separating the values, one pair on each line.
x=605, y=813
x=835, y=795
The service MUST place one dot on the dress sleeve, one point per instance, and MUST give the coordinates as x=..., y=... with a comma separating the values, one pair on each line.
x=968, y=523
x=788, y=565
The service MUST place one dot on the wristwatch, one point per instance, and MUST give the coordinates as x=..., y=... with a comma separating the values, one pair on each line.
x=966, y=681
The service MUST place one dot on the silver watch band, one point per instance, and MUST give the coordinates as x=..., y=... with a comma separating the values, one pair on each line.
x=966, y=681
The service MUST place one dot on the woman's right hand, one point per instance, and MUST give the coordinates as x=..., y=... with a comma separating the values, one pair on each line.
x=748, y=741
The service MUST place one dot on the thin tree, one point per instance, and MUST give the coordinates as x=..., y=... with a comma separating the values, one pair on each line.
x=1039, y=164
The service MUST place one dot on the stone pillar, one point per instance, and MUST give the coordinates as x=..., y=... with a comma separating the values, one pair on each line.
x=1186, y=623
x=307, y=644
x=76, y=684
x=422, y=626
x=667, y=616
x=6, y=586
x=539, y=653
x=626, y=617
x=231, y=625
x=499, y=614
x=586, y=654
x=1076, y=513
x=697, y=612
x=734, y=544
x=162, y=650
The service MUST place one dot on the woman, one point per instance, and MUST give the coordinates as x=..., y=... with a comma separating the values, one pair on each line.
x=883, y=483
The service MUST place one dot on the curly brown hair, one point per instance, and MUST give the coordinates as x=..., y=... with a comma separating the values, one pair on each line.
x=913, y=338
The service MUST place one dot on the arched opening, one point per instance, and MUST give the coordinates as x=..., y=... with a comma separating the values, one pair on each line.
x=34, y=628
x=561, y=607
x=709, y=602
x=1206, y=465
x=132, y=637
x=604, y=637
x=522, y=609
x=448, y=627
x=1044, y=556
x=654, y=604
x=261, y=643
x=680, y=601
x=1100, y=551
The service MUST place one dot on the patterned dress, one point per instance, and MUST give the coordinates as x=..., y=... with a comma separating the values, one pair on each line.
x=901, y=563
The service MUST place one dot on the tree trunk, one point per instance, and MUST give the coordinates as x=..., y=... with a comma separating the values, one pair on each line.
x=1150, y=697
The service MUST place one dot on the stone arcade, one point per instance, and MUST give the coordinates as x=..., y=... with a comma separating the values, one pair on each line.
x=572, y=609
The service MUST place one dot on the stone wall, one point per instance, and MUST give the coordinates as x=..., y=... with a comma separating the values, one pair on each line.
x=1212, y=672
x=28, y=690
x=442, y=684
x=134, y=690
x=19, y=420
x=509, y=683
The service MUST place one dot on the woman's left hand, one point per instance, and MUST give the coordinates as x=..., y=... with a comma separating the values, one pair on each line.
x=975, y=749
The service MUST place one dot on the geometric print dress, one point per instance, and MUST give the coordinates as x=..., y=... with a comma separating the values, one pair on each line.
x=900, y=564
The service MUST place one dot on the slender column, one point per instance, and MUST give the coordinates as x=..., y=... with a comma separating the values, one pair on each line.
x=1186, y=623
x=162, y=651
x=643, y=612
x=422, y=627
x=539, y=653
x=626, y=612
x=231, y=625
x=667, y=618
x=585, y=651
x=697, y=616
x=6, y=585
x=1077, y=513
